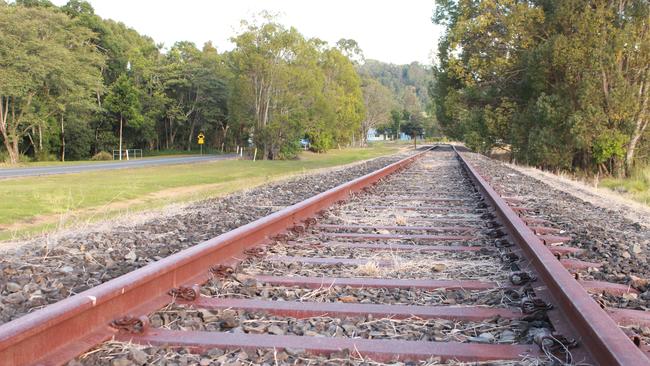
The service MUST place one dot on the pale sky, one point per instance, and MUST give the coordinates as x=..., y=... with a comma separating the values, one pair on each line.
x=397, y=31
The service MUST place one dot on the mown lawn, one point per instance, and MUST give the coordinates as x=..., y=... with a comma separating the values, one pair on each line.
x=636, y=187
x=34, y=204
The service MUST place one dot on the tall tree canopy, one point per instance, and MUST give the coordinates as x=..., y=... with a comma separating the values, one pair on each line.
x=291, y=87
x=48, y=65
x=564, y=83
x=73, y=84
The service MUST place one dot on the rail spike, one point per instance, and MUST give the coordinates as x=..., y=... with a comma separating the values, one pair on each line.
x=521, y=278
x=221, y=271
x=185, y=292
x=531, y=305
x=131, y=324
x=310, y=221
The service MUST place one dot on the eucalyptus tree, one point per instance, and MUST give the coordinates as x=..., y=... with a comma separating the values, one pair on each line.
x=343, y=86
x=41, y=68
x=123, y=102
x=379, y=101
x=564, y=83
x=261, y=62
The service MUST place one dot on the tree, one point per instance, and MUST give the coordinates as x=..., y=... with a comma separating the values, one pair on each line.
x=194, y=80
x=379, y=101
x=291, y=87
x=350, y=49
x=400, y=79
x=343, y=92
x=122, y=101
x=561, y=82
x=260, y=61
x=54, y=68
x=413, y=128
x=68, y=76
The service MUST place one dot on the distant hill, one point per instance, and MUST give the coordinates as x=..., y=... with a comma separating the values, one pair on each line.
x=399, y=78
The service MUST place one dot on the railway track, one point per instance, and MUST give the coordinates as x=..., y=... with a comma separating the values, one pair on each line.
x=429, y=265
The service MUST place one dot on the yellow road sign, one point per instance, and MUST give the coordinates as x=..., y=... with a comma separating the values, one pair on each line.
x=201, y=137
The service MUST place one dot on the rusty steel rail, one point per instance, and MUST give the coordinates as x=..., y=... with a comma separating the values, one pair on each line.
x=598, y=334
x=59, y=332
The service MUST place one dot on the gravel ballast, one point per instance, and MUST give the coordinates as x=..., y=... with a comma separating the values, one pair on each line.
x=607, y=236
x=46, y=270
x=35, y=275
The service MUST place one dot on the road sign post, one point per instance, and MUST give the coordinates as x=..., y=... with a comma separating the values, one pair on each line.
x=201, y=138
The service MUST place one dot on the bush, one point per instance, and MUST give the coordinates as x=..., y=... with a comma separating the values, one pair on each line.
x=320, y=142
x=102, y=155
x=4, y=158
x=44, y=155
x=289, y=151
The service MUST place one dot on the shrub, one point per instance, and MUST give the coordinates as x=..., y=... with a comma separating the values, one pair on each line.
x=320, y=142
x=44, y=155
x=4, y=158
x=102, y=155
x=289, y=151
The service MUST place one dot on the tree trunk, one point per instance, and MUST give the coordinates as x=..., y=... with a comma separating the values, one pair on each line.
x=63, y=140
x=225, y=131
x=172, y=136
x=167, y=133
x=631, y=147
x=189, y=139
x=121, y=120
x=40, y=137
x=31, y=141
x=96, y=147
x=639, y=129
x=12, y=148
x=618, y=167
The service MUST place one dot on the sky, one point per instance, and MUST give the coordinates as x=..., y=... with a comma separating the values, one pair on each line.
x=396, y=31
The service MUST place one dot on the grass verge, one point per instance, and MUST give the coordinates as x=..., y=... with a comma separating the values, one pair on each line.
x=34, y=205
x=636, y=187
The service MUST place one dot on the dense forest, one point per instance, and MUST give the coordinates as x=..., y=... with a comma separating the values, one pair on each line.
x=73, y=85
x=561, y=83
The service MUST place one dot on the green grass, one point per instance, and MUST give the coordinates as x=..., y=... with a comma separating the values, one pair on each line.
x=35, y=204
x=636, y=187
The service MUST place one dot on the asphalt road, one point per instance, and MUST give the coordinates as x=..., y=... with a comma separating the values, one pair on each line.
x=137, y=163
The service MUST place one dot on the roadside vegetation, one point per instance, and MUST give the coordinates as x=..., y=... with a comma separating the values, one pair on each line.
x=74, y=85
x=561, y=84
x=636, y=186
x=35, y=204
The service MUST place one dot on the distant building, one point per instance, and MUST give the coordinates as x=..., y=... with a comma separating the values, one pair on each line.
x=373, y=135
